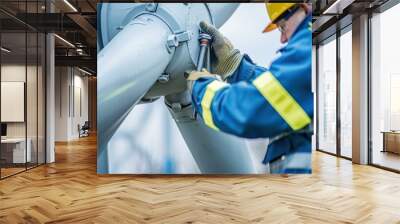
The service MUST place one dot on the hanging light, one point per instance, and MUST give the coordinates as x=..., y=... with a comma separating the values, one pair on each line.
x=65, y=41
x=70, y=5
x=84, y=71
x=5, y=50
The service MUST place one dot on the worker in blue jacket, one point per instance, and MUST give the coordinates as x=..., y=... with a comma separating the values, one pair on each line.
x=255, y=102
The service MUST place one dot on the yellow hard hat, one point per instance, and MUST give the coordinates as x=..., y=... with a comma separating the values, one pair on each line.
x=275, y=10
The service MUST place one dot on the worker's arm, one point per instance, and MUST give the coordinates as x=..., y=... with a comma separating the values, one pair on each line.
x=274, y=102
x=246, y=71
x=242, y=110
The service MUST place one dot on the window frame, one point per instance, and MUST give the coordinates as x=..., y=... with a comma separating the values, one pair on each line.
x=334, y=37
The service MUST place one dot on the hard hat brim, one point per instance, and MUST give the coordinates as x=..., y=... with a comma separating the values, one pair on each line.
x=270, y=27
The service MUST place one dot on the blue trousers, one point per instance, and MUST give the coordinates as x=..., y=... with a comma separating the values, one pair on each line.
x=293, y=163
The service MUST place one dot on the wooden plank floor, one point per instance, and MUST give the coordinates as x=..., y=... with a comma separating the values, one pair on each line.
x=70, y=191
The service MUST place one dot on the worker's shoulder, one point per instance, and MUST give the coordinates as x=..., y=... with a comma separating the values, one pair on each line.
x=303, y=32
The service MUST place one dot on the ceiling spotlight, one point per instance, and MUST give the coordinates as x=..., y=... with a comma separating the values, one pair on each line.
x=84, y=71
x=5, y=50
x=70, y=5
x=337, y=7
x=65, y=41
x=79, y=44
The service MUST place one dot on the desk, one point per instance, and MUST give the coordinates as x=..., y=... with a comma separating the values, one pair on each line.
x=391, y=141
x=15, y=148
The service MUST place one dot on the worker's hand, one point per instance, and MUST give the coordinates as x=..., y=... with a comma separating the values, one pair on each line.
x=228, y=58
x=195, y=75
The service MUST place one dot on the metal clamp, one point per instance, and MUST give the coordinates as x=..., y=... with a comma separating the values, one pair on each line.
x=174, y=40
x=182, y=36
x=151, y=7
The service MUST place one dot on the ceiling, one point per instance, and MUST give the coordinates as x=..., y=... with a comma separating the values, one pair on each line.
x=76, y=22
x=331, y=15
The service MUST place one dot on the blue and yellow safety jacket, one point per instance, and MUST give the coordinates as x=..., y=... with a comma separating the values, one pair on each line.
x=256, y=102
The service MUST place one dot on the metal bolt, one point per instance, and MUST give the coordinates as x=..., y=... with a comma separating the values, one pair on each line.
x=164, y=78
x=151, y=7
x=172, y=41
x=176, y=107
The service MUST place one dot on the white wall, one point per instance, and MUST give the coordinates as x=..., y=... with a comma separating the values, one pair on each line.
x=14, y=72
x=61, y=103
x=79, y=117
x=17, y=73
x=33, y=126
x=70, y=83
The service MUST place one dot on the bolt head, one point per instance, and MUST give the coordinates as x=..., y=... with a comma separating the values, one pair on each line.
x=172, y=41
x=164, y=78
x=176, y=107
x=151, y=7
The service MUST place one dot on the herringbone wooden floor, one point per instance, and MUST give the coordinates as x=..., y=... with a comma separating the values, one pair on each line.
x=70, y=191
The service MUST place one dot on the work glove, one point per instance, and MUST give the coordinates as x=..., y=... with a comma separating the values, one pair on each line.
x=195, y=75
x=228, y=58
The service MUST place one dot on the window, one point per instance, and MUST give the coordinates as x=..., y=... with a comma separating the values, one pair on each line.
x=22, y=77
x=385, y=87
x=327, y=97
x=346, y=93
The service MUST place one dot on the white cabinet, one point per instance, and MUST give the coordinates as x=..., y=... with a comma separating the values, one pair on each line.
x=19, y=155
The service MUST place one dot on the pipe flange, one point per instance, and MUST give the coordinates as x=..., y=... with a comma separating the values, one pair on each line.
x=173, y=41
x=159, y=12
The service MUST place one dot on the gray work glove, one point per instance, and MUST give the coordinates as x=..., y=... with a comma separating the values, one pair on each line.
x=228, y=58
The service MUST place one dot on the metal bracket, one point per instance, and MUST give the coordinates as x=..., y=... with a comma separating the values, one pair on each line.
x=174, y=40
x=151, y=7
x=182, y=36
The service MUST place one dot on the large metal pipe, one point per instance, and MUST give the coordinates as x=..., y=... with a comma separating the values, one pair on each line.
x=214, y=152
x=128, y=66
x=138, y=43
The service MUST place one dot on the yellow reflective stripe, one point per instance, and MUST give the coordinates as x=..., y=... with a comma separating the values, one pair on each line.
x=281, y=101
x=211, y=89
